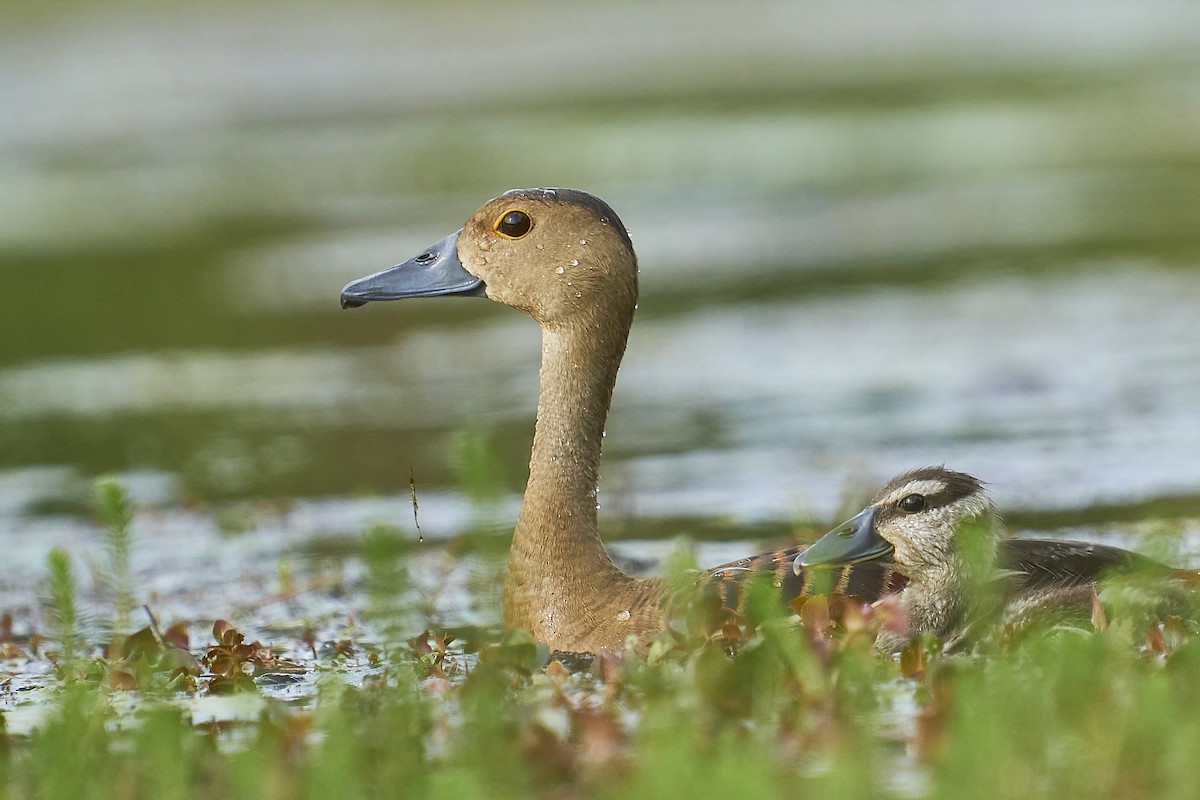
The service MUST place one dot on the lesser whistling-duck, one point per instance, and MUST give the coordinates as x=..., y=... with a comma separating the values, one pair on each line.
x=563, y=257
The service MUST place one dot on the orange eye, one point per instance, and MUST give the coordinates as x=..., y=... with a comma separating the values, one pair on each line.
x=514, y=224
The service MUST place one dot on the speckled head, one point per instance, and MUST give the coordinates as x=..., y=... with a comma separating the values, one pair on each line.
x=560, y=255
x=917, y=520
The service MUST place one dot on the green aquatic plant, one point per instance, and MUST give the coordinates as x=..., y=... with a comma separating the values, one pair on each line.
x=62, y=607
x=382, y=549
x=116, y=514
x=766, y=701
x=755, y=707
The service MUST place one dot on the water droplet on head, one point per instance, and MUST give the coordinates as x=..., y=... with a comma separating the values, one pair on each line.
x=574, y=262
x=622, y=615
x=479, y=261
x=559, y=270
x=583, y=241
x=577, y=294
x=541, y=247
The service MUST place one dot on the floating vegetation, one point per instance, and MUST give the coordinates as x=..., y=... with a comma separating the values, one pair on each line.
x=770, y=702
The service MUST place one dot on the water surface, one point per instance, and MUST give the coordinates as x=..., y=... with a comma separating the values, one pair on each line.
x=869, y=241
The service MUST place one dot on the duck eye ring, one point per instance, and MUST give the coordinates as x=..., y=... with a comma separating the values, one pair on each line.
x=513, y=224
x=912, y=503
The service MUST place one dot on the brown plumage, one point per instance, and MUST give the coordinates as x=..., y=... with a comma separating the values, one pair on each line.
x=563, y=257
x=939, y=530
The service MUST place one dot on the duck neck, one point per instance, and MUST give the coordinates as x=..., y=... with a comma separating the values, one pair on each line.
x=558, y=568
x=945, y=596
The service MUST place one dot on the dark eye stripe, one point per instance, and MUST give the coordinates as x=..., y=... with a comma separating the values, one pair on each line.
x=953, y=486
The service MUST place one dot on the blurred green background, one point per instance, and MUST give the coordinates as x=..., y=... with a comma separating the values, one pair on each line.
x=872, y=236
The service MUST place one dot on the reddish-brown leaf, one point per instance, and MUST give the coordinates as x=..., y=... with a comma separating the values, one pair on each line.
x=912, y=660
x=121, y=679
x=143, y=642
x=177, y=635
x=220, y=628
x=607, y=667
x=556, y=672
x=815, y=614
x=601, y=738
x=1155, y=642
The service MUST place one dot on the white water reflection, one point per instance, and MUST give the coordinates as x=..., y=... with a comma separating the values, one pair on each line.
x=1063, y=390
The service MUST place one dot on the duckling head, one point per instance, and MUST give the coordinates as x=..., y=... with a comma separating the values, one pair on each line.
x=927, y=521
x=560, y=255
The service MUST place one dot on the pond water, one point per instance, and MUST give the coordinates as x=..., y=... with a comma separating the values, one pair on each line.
x=869, y=241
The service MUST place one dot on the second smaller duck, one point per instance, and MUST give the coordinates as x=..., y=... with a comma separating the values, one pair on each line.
x=938, y=529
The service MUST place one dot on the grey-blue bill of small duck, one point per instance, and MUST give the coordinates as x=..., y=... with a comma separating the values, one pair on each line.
x=960, y=576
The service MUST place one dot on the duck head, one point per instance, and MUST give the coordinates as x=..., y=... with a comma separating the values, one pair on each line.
x=560, y=255
x=927, y=520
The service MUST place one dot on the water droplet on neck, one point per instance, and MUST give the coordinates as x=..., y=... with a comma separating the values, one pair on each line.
x=574, y=262
x=622, y=615
x=583, y=241
x=559, y=270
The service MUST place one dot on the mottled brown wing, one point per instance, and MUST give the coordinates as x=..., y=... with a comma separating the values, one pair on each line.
x=869, y=580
